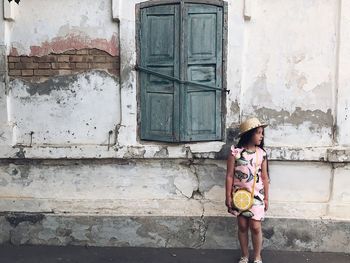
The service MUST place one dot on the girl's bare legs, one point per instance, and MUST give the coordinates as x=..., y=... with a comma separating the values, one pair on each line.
x=255, y=229
x=243, y=227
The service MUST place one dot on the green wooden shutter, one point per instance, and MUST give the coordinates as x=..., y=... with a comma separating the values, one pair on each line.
x=184, y=43
x=201, y=107
x=160, y=52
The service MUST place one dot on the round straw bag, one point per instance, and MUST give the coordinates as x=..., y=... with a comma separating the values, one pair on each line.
x=243, y=199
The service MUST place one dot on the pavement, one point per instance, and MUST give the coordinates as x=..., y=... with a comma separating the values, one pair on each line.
x=78, y=254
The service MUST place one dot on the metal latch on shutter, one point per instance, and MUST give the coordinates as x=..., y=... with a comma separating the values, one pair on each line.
x=160, y=75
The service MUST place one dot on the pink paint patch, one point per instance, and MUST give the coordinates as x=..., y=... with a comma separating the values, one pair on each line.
x=60, y=44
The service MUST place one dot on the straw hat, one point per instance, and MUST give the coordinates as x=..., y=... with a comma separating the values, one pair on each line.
x=250, y=124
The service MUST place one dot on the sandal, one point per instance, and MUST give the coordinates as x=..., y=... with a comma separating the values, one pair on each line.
x=243, y=260
x=258, y=261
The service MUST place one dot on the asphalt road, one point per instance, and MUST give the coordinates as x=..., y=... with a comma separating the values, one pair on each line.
x=75, y=254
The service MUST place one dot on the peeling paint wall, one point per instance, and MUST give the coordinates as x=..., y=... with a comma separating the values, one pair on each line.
x=69, y=137
x=63, y=76
x=290, y=80
x=72, y=24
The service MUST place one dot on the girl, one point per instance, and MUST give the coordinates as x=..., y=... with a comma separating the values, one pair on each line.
x=241, y=165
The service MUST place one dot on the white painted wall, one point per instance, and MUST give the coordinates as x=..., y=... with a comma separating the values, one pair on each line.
x=276, y=69
x=52, y=25
x=77, y=110
x=287, y=64
x=343, y=98
x=169, y=187
x=290, y=63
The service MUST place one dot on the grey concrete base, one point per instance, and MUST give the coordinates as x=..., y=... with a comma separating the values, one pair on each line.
x=69, y=254
x=191, y=232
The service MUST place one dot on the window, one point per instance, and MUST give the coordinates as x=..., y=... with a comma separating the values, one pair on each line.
x=181, y=65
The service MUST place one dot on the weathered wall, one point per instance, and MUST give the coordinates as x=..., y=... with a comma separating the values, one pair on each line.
x=128, y=203
x=289, y=73
x=162, y=187
x=343, y=94
x=63, y=76
x=68, y=90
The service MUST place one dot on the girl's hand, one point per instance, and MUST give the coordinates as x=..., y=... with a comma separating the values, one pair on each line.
x=266, y=202
x=228, y=202
x=229, y=206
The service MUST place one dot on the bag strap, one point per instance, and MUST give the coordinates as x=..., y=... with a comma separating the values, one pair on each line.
x=255, y=172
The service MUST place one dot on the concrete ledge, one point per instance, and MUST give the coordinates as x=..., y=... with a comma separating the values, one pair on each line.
x=208, y=150
x=152, y=231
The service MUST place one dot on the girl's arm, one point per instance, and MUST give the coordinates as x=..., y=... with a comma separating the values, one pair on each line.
x=229, y=180
x=265, y=180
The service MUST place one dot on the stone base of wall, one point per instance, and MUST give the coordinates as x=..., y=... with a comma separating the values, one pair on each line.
x=166, y=203
x=156, y=231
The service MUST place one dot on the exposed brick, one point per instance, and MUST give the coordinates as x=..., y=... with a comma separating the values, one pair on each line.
x=14, y=59
x=27, y=72
x=44, y=65
x=48, y=58
x=19, y=65
x=75, y=71
x=64, y=72
x=65, y=65
x=69, y=62
x=30, y=65
x=97, y=52
x=63, y=58
x=82, y=52
x=70, y=52
x=82, y=65
x=98, y=59
x=88, y=58
x=54, y=72
x=113, y=71
x=43, y=72
x=102, y=65
x=111, y=59
x=14, y=72
x=27, y=59
x=30, y=78
x=76, y=58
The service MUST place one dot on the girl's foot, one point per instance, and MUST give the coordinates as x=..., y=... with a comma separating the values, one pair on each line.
x=243, y=260
x=258, y=261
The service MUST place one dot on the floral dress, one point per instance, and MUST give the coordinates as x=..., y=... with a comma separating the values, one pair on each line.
x=245, y=165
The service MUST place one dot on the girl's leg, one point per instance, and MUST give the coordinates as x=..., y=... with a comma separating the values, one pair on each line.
x=243, y=227
x=255, y=229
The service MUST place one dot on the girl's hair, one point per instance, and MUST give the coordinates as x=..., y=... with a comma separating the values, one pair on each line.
x=245, y=139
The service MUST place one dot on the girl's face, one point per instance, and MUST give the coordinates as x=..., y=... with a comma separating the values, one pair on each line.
x=258, y=136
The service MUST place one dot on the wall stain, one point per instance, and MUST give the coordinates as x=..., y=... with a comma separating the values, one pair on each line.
x=58, y=83
x=319, y=119
x=163, y=152
x=294, y=236
x=268, y=232
x=135, y=152
x=16, y=218
x=21, y=153
x=234, y=109
x=20, y=174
